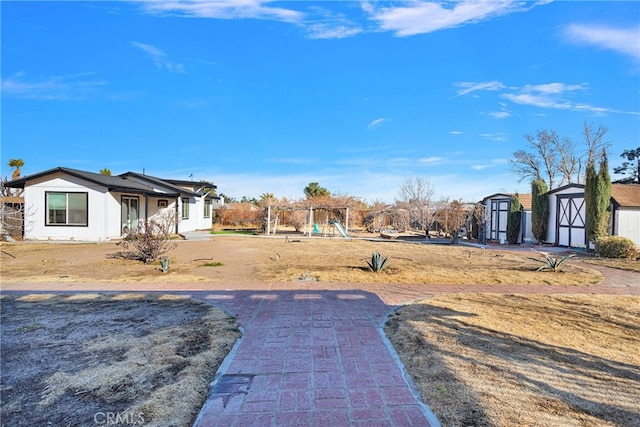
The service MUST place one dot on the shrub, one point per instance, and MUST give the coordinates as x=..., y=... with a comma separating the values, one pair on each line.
x=149, y=241
x=616, y=247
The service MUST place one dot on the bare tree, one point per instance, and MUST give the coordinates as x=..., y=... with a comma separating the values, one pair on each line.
x=558, y=161
x=417, y=196
x=596, y=145
x=569, y=163
x=542, y=163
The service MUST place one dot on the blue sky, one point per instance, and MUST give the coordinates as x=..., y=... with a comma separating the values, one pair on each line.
x=267, y=96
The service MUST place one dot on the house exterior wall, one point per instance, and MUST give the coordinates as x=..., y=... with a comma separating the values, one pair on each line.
x=626, y=223
x=191, y=223
x=100, y=204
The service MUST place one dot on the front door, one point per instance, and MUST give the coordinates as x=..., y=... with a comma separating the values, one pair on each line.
x=129, y=213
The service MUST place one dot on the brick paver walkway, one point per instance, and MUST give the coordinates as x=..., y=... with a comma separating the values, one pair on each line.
x=310, y=358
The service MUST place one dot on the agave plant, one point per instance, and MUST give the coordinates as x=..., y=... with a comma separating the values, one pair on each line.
x=377, y=263
x=164, y=264
x=550, y=262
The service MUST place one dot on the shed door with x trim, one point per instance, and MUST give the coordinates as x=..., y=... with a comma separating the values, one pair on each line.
x=570, y=227
x=499, y=214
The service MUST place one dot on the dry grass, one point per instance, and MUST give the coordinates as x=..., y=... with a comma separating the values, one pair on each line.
x=257, y=259
x=489, y=360
x=622, y=264
x=124, y=354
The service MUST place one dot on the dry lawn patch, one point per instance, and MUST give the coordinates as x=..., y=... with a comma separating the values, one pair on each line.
x=525, y=360
x=619, y=263
x=236, y=259
x=74, y=359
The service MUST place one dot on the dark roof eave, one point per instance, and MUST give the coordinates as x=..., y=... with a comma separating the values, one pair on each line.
x=141, y=191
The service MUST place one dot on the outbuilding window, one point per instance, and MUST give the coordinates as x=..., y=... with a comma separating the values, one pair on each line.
x=67, y=208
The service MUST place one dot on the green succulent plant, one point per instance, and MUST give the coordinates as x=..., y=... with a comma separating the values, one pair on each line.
x=550, y=262
x=377, y=263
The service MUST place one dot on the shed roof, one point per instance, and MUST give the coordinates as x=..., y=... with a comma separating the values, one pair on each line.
x=525, y=199
x=626, y=195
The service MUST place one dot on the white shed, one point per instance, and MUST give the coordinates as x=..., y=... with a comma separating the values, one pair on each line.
x=496, y=212
x=567, y=215
x=625, y=211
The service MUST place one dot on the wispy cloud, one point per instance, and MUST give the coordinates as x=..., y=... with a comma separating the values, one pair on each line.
x=377, y=122
x=469, y=87
x=456, y=132
x=500, y=114
x=621, y=40
x=498, y=137
x=331, y=31
x=223, y=9
x=551, y=95
x=70, y=87
x=493, y=163
x=159, y=58
x=503, y=113
x=406, y=19
x=433, y=160
x=419, y=17
x=317, y=22
x=558, y=96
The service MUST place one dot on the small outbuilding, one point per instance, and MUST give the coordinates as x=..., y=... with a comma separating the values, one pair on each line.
x=496, y=211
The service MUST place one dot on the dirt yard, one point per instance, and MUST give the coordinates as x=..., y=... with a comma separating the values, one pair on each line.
x=234, y=259
x=82, y=359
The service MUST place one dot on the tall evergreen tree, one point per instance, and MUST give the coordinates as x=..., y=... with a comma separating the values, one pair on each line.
x=591, y=202
x=539, y=210
x=514, y=218
x=604, y=197
x=597, y=197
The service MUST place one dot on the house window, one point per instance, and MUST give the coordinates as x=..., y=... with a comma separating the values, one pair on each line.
x=207, y=208
x=185, y=208
x=163, y=203
x=67, y=208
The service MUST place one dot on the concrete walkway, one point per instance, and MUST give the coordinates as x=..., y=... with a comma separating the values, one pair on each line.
x=310, y=358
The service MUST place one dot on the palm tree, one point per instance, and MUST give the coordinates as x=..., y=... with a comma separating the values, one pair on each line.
x=17, y=164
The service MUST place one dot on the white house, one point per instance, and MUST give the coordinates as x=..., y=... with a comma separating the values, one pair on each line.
x=70, y=204
x=496, y=210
